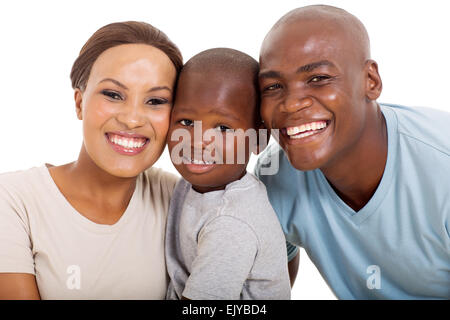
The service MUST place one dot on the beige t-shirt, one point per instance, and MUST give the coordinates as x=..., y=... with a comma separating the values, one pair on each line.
x=75, y=258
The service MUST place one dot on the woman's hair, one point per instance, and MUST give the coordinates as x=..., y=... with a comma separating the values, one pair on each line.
x=114, y=34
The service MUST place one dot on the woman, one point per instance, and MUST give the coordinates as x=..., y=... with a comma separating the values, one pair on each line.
x=94, y=228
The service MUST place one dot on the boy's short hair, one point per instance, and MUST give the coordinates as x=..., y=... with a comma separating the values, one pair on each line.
x=225, y=63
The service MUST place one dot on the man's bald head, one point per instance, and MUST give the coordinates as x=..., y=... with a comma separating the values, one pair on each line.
x=329, y=18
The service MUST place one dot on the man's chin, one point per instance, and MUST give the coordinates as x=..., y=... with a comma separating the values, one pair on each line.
x=304, y=163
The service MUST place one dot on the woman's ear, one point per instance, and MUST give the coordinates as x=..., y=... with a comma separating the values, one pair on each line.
x=262, y=138
x=374, y=85
x=78, y=95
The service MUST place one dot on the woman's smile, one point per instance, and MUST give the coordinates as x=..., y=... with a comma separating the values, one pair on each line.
x=128, y=144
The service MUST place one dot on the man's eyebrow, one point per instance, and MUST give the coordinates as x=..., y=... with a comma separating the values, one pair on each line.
x=311, y=66
x=306, y=68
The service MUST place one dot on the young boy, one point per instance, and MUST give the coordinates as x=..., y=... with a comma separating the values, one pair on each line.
x=223, y=239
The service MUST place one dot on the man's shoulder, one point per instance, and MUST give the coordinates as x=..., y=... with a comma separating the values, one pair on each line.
x=425, y=127
x=273, y=164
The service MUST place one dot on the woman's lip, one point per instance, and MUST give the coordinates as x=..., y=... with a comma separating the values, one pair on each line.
x=128, y=151
x=127, y=134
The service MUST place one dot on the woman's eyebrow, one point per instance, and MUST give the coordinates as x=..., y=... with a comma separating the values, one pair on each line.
x=159, y=88
x=115, y=82
x=118, y=83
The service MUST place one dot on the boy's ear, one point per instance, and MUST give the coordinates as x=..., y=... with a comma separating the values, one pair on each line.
x=262, y=138
x=78, y=95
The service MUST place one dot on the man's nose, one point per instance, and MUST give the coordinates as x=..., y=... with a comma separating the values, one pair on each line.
x=294, y=103
x=132, y=114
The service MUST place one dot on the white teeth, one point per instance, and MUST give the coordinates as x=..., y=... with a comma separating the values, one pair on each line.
x=304, y=128
x=303, y=135
x=126, y=143
x=195, y=161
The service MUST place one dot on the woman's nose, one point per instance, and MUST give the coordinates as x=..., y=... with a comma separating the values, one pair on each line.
x=132, y=115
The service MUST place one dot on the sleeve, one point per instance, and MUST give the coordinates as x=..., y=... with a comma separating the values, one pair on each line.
x=227, y=247
x=15, y=245
x=292, y=250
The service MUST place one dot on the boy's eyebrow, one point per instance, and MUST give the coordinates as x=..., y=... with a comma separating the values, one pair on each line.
x=306, y=68
x=219, y=113
x=269, y=74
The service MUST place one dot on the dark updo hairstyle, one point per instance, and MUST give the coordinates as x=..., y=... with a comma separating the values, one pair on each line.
x=114, y=34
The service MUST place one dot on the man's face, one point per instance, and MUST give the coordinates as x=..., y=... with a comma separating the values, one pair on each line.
x=313, y=90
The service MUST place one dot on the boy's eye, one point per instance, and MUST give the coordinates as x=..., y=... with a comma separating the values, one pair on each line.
x=272, y=87
x=223, y=128
x=157, y=101
x=112, y=94
x=186, y=122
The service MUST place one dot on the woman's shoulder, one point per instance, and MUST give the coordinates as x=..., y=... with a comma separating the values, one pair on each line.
x=21, y=180
x=159, y=179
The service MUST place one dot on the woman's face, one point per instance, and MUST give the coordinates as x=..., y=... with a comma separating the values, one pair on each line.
x=126, y=107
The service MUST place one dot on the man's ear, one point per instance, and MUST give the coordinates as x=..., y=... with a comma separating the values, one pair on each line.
x=78, y=95
x=262, y=138
x=374, y=85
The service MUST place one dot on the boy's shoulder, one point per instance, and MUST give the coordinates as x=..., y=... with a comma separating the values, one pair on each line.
x=248, y=201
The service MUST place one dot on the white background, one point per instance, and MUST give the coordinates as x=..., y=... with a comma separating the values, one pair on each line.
x=41, y=39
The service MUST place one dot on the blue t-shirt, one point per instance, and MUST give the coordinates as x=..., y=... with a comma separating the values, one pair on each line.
x=398, y=245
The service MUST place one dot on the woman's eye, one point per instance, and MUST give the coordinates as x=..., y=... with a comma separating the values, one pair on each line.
x=156, y=101
x=223, y=128
x=186, y=122
x=111, y=94
x=272, y=87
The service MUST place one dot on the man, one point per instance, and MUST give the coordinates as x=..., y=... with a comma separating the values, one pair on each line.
x=363, y=188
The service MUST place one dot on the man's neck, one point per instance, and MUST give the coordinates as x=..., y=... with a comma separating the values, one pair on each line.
x=356, y=175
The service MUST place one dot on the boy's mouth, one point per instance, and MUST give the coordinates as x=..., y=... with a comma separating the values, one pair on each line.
x=305, y=130
x=198, y=166
x=126, y=143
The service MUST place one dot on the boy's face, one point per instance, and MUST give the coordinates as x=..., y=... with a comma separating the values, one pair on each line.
x=221, y=105
x=313, y=86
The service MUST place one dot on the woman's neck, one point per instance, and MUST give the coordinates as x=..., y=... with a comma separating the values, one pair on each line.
x=92, y=191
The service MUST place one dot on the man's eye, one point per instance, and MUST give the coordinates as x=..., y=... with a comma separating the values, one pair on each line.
x=111, y=94
x=316, y=79
x=157, y=101
x=223, y=128
x=272, y=87
x=186, y=122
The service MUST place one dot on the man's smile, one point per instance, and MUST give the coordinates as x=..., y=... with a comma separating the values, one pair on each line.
x=304, y=133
